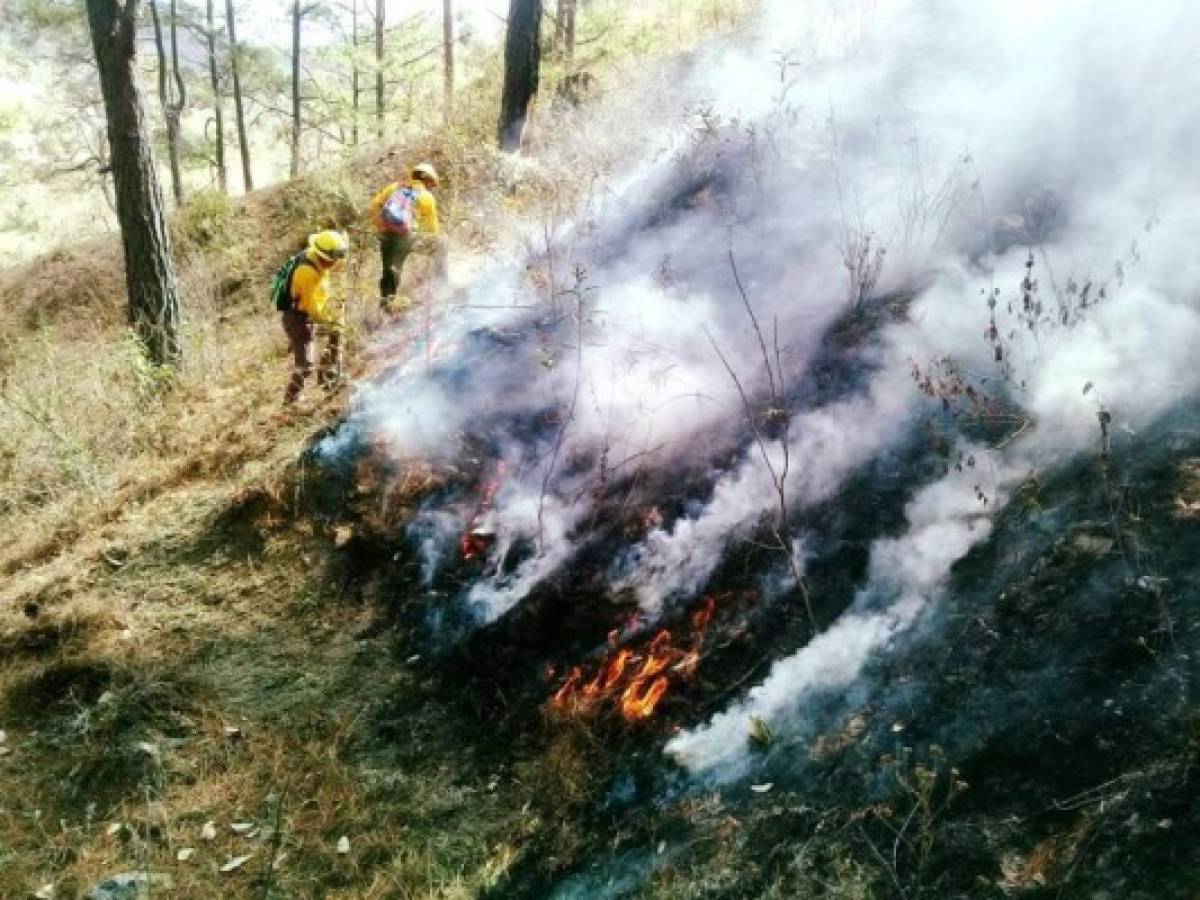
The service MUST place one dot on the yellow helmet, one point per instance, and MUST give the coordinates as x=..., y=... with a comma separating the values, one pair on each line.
x=427, y=173
x=329, y=246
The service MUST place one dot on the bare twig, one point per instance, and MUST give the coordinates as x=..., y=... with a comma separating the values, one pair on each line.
x=781, y=526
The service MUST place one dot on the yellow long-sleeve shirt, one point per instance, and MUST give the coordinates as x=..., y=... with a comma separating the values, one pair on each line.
x=425, y=208
x=310, y=290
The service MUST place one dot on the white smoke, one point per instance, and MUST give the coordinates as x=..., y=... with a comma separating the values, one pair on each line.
x=944, y=521
x=1078, y=97
x=928, y=126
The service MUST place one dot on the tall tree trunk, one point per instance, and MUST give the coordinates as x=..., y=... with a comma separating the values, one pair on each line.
x=218, y=113
x=568, y=44
x=355, y=87
x=448, y=69
x=239, y=112
x=522, y=58
x=380, y=11
x=149, y=271
x=172, y=98
x=295, y=166
x=560, y=28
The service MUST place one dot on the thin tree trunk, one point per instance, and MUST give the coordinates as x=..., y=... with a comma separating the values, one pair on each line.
x=172, y=105
x=239, y=112
x=295, y=165
x=380, y=11
x=355, y=88
x=149, y=271
x=569, y=7
x=560, y=28
x=448, y=70
x=218, y=113
x=522, y=59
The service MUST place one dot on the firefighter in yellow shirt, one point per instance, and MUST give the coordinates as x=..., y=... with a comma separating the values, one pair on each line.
x=308, y=306
x=405, y=216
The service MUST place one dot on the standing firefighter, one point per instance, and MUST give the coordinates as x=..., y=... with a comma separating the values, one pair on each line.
x=405, y=215
x=301, y=294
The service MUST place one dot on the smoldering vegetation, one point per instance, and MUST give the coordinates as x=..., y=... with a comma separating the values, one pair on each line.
x=870, y=389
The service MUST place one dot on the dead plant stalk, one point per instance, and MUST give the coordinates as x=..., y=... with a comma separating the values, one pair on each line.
x=781, y=527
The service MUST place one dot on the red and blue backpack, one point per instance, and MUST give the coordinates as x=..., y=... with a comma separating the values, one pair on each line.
x=399, y=211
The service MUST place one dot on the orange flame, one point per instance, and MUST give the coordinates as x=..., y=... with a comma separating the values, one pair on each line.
x=472, y=543
x=636, y=704
x=636, y=682
x=563, y=693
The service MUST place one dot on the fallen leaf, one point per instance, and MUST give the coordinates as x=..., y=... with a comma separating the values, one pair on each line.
x=236, y=863
x=185, y=854
x=232, y=732
x=343, y=845
x=114, y=829
x=209, y=831
x=243, y=828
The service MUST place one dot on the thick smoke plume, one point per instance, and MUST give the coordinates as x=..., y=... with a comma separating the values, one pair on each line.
x=1020, y=178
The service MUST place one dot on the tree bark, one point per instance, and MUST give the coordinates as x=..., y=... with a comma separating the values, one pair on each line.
x=569, y=7
x=153, y=298
x=295, y=164
x=560, y=28
x=522, y=58
x=448, y=68
x=239, y=111
x=218, y=113
x=172, y=98
x=355, y=87
x=380, y=11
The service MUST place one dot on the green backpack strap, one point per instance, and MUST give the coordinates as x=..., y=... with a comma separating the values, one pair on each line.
x=281, y=284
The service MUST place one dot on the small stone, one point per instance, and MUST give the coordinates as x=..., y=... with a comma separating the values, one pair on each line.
x=232, y=733
x=114, y=829
x=45, y=892
x=3, y=736
x=209, y=831
x=243, y=828
x=185, y=854
x=762, y=788
x=343, y=845
x=147, y=748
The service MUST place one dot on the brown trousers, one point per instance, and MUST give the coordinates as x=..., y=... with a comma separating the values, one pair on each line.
x=301, y=335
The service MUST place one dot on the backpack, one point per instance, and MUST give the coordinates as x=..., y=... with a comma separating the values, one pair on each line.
x=281, y=284
x=399, y=211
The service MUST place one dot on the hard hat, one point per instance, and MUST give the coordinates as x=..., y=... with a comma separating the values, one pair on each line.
x=426, y=172
x=330, y=246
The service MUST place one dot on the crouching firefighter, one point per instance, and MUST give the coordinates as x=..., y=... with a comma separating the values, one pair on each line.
x=405, y=217
x=300, y=292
